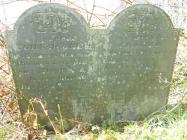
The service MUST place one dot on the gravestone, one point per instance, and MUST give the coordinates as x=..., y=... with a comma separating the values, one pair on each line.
x=115, y=74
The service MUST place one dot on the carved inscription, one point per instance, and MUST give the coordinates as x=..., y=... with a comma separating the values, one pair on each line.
x=51, y=22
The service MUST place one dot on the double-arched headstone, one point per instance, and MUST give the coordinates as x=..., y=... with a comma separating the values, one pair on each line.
x=116, y=74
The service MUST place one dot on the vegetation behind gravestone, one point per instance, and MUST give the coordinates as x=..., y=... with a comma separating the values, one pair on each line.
x=11, y=125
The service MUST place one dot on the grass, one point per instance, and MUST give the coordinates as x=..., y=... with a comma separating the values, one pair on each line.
x=2, y=134
x=171, y=125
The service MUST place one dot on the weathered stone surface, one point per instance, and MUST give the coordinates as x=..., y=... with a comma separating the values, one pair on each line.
x=121, y=73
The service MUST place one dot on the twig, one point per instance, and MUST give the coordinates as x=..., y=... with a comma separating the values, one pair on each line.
x=93, y=7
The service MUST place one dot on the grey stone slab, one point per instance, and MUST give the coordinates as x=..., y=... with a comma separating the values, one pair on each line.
x=117, y=74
